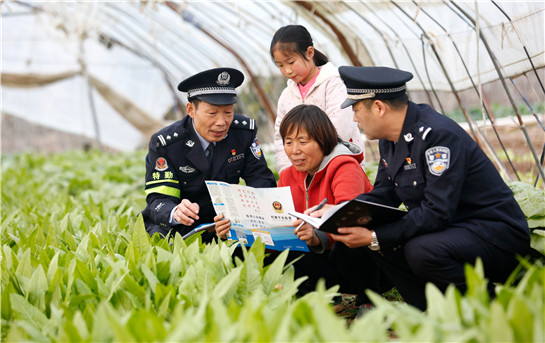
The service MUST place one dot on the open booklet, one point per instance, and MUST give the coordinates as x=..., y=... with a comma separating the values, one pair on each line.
x=257, y=212
x=355, y=212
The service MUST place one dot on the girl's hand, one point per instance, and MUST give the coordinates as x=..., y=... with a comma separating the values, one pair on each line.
x=222, y=226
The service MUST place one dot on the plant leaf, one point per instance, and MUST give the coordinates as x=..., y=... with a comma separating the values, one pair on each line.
x=24, y=310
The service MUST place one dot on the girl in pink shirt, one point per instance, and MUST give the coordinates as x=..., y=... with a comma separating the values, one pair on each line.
x=312, y=80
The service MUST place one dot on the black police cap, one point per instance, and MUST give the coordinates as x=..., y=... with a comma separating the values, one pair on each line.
x=214, y=86
x=373, y=83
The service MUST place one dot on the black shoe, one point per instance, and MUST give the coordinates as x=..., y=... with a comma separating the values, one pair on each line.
x=361, y=299
x=364, y=309
x=337, y=303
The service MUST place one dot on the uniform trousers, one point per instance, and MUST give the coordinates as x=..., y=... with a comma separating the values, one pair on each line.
x=440, y=258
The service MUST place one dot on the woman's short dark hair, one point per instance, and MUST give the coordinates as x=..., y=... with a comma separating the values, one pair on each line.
x=295, y=39
x=315, y=122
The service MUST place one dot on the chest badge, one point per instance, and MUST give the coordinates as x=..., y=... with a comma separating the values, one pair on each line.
x=408, y=137
x=438, y=159
x=410, y=165
x=235, y=158
x=187, y=169
x=190, y=143
x=385, y=163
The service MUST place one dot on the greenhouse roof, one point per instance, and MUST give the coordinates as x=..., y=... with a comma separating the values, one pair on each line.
x=62, y=62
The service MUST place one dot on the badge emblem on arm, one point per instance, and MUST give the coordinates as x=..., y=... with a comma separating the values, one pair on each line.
x=161, y=164
x=438, y=159
x=255, y=148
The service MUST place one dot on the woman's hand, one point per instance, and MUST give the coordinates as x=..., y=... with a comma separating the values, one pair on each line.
x=305, y=232
x=222, y=226
x=318, y=214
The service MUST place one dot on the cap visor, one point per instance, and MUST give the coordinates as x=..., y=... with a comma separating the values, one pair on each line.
x=218, y=99
x=349, y=102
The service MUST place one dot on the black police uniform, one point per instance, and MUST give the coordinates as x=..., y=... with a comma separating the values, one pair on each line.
x=459, y=208
x=176, y=168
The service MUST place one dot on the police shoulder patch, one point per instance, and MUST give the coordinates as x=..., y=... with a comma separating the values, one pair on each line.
x=438, y=159
x=255, y=148
x=161, y=164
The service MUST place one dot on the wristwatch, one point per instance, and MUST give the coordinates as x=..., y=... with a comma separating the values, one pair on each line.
x=374, y=242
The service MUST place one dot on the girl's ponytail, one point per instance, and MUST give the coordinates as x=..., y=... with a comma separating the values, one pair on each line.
x=319, y=58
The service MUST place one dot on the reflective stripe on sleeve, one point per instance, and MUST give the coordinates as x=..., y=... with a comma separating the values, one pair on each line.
x=160, y=181
x=175, y=192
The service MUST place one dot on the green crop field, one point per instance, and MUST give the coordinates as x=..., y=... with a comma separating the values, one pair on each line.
x=77, y=265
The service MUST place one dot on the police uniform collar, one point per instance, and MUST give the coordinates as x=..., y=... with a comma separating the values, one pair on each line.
x=400, y=151
x=407, y=133
x=204, y=142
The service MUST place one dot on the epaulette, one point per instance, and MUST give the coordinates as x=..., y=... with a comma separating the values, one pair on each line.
x=422, y=130
x=166, y=137
x=241, y=122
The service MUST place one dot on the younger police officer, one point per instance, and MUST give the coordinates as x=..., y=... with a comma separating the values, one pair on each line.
x=211, y=143
x=460, y=209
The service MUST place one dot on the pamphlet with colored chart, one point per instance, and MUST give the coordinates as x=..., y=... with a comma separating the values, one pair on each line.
x=257, y=212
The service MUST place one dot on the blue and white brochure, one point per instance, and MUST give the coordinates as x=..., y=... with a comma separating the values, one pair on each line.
x=257, y=212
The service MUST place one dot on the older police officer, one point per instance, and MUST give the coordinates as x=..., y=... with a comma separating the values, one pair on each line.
x=211, y=143
x=460, y=209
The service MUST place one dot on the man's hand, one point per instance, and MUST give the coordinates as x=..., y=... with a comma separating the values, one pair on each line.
x=186, y=213
x=222, y=226
x=305, y=233
x=353, y=237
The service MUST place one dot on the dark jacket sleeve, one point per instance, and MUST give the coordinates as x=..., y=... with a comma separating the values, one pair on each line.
x=256, y=171
x=162, y=189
